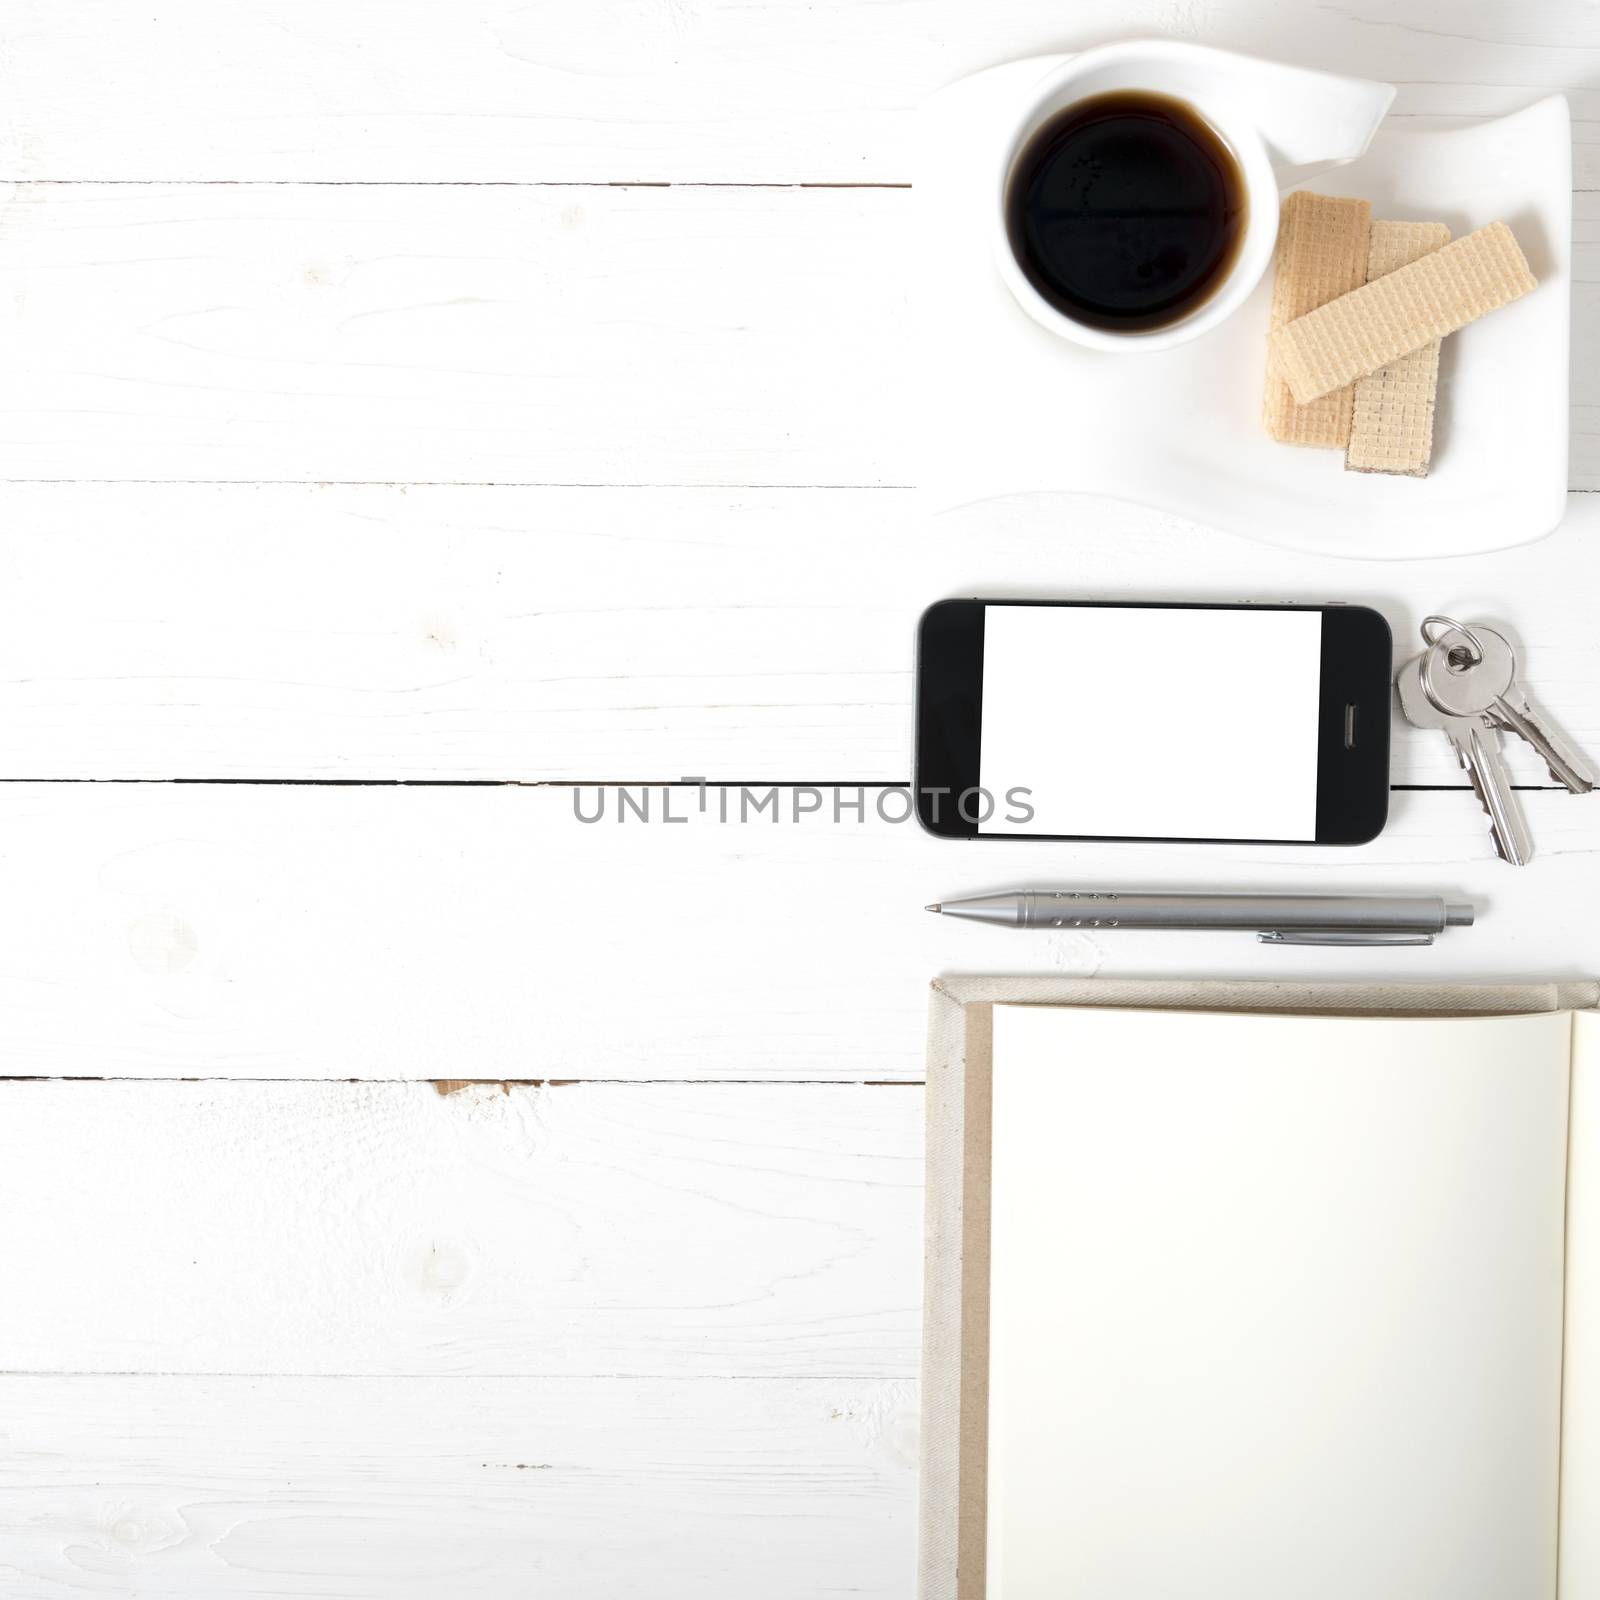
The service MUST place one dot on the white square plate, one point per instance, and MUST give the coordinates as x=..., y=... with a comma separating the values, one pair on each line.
x=1012, y=408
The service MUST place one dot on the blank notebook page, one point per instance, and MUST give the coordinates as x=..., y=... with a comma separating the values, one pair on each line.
x=1275, y=1306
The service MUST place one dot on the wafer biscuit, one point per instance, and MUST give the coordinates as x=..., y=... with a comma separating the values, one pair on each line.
x=1392, y=426
x=1374, y=325
x=1322, y=254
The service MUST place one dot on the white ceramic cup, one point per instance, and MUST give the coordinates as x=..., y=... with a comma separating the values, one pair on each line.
x=1283, y=125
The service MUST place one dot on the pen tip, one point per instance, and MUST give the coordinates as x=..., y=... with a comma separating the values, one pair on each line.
x=933, y=908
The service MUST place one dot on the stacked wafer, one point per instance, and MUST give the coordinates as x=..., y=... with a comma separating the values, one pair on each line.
x=1358, y=312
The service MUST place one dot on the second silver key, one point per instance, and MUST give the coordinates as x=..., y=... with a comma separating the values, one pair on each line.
x=1476, y=743
x=1490, y=687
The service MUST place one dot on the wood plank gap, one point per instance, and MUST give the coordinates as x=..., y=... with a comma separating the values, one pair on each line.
x=462, y=483
x=177, y=1374
x=612, y=783
x=446, y=1086
x=442, y=183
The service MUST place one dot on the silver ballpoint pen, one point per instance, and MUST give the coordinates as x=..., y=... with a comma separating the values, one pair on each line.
x=1350, y=919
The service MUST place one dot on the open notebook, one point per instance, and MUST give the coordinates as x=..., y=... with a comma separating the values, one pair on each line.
x=1272, y=1305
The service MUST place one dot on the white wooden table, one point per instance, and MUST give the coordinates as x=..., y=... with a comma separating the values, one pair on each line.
x=411, y=410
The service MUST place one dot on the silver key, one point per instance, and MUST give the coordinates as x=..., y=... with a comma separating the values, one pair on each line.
x=1476, y=743
x=1490, y=687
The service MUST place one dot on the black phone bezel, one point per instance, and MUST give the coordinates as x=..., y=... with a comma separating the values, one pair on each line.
x=1354, y=698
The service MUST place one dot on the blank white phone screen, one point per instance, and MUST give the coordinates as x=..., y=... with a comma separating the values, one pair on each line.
x=1139, y=722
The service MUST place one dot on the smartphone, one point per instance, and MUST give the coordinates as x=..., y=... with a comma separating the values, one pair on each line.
x=1080, y=719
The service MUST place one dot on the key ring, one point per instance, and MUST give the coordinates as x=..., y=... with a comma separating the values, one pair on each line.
x=1447, y=626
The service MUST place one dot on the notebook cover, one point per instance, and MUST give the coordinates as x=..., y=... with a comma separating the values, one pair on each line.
x=955, y=1350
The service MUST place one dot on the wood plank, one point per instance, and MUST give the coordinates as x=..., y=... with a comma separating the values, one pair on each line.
x=527, y=335
x=591, y=1229
x=334, y=933
x=476, y=1488
x=1584, y=466
x=286, y=631
x=548, y=335
x=786, y=91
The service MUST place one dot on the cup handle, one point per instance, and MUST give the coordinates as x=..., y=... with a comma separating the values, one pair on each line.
x=1309, y=121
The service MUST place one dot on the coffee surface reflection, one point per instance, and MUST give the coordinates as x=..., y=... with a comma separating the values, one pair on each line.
x=1126, y=210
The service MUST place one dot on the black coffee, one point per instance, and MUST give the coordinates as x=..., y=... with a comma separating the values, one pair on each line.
x=1126, y=210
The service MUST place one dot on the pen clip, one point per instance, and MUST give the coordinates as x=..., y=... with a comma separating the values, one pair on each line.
x=1344, y=936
